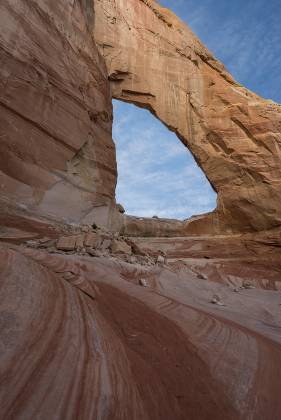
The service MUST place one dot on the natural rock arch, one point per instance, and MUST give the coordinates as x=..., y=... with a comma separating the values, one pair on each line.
x=57, y=155
x=156, y=62
x=157, y=175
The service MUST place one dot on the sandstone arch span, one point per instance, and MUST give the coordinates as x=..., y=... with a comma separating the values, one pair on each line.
x=155, y=61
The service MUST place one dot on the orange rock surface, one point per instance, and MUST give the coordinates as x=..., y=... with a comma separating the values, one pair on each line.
x=57, y=157
x=155, y=61
x=81, y=338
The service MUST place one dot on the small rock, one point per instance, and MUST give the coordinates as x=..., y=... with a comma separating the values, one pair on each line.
x=32, y=244
x=161, y=260
x=94, y=252
x=143, y=283
x=48, y=245
x=133, y=259
x=82, y=251
x=120, y=208
x=216, y=300
x=86, y=228
x=202, y=276
x=248, y=285
x=44, y=240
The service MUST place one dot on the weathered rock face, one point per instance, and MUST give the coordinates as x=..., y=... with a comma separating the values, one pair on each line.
x=95, y=338
x=57, y=157
x=156, y=62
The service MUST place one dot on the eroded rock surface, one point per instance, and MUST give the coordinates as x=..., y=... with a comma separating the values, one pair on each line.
x=89, y=338
x=57, y=154
x=57, y=157
x=155, y=61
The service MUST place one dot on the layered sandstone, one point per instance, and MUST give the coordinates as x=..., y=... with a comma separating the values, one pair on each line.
x=57, y=157
x=155, y=61
x=57, y=154
x=97, y=338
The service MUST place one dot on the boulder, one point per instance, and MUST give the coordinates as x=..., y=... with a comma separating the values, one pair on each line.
x=66, y=243
x=136, y=249
x=79, y=242
x=106, y=243
x=92, y=240
x=120, y=247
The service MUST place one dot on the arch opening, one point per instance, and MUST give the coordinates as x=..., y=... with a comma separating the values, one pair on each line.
x=157, y=174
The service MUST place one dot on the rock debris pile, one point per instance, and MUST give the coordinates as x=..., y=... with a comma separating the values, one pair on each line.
x=95, y=242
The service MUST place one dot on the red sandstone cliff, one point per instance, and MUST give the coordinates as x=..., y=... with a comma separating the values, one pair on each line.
x=57, y=154
x=90, y=334
x=156, y=62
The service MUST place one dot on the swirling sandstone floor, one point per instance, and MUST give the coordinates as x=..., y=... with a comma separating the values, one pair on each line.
x=82, y=339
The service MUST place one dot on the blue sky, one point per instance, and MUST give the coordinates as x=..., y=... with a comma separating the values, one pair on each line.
x=157, y=174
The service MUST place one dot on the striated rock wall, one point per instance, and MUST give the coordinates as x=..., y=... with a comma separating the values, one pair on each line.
x=155, y=61
x=57, y=157
x=82, y=339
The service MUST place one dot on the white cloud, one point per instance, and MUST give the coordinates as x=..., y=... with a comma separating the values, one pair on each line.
x=157, y=174
x=244, y=35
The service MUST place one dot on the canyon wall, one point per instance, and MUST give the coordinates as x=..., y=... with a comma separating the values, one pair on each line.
x=61, y=63
x=57, y=157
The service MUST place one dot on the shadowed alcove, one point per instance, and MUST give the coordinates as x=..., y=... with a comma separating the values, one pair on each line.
x=157, y=175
